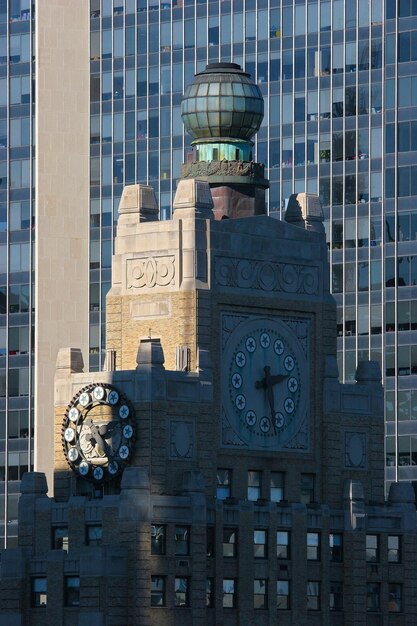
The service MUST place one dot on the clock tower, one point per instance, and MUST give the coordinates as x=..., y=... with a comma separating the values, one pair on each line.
x=215, y=471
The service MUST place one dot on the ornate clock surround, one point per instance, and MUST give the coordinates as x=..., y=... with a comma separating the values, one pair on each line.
x=99, y=432
x=265, y=382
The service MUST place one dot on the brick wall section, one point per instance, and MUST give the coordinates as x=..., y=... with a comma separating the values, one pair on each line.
x=406, y=573
x=124, y=333
x=354, y=587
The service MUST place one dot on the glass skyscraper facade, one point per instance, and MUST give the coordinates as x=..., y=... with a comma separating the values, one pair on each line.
x=17, y=110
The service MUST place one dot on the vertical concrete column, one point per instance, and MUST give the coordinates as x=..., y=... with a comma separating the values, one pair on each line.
x=61, y=201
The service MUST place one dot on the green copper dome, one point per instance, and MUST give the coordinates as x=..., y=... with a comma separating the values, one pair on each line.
x=222, y=103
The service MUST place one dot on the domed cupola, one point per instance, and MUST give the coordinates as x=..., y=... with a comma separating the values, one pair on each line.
x=222, y=110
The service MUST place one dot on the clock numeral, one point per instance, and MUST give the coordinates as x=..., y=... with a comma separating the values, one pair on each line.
x=292, y=384
x=98, y=473
x=264, y=424
x=113, y=397
x=98, y=393
x=127, y=431
x=69, y=434
x=73, y=454
x=289, y=363
x=113, y=468
x=279, y=420
x=73, y=414
x=83, y=468
x=84, y=399
x=289, y=405
x=250, y=345
x=123, y=452
x=236, y=380
x=278, y=347
x=124, y=411
x=265, y=340
x=240, y=402
x=250, y=418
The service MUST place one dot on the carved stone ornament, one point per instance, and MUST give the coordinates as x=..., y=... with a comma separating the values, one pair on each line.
x=355, y=450
x=198, y=169
x=150, y=272
x=266, y=276
x=181, y=445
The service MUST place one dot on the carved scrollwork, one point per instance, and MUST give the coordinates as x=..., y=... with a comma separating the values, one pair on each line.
x=150, y=272
x=266, y=276
x=197, y=169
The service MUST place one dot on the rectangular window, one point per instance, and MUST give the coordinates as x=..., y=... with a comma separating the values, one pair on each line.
x=182, y=540
x=72, y=591
x=372, y=548
x=157, y=590
x=94, y=535
x=229, y=542
x=307, y=488
x=277, y=486
x=336, y=547
x=260, y=593
x=60, y=538
x=39, y=595
x=260, y=548
x=158, y=539
x=313, y=546
x=254, y=485
x=283, y=544
x=210, y=593
x=394, y=549
x=373, y=602
x=283, y=595
x=336, y=596
x=229, y=593
x=313, y=595
x=224, y=482
x=182, y=592
x=395, y=598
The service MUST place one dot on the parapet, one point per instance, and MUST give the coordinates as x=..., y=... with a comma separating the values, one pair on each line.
x=193, y=199
x=137, y=204
x=368, y=372
x=304, y=210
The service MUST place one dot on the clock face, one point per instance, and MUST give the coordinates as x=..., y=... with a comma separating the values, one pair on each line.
x=98, y=432
x=264, y=383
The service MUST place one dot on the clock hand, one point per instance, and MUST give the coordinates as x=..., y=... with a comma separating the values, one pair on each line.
x=267, y=383
x=270, y=396
x=278, y=378
x=107, y=430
